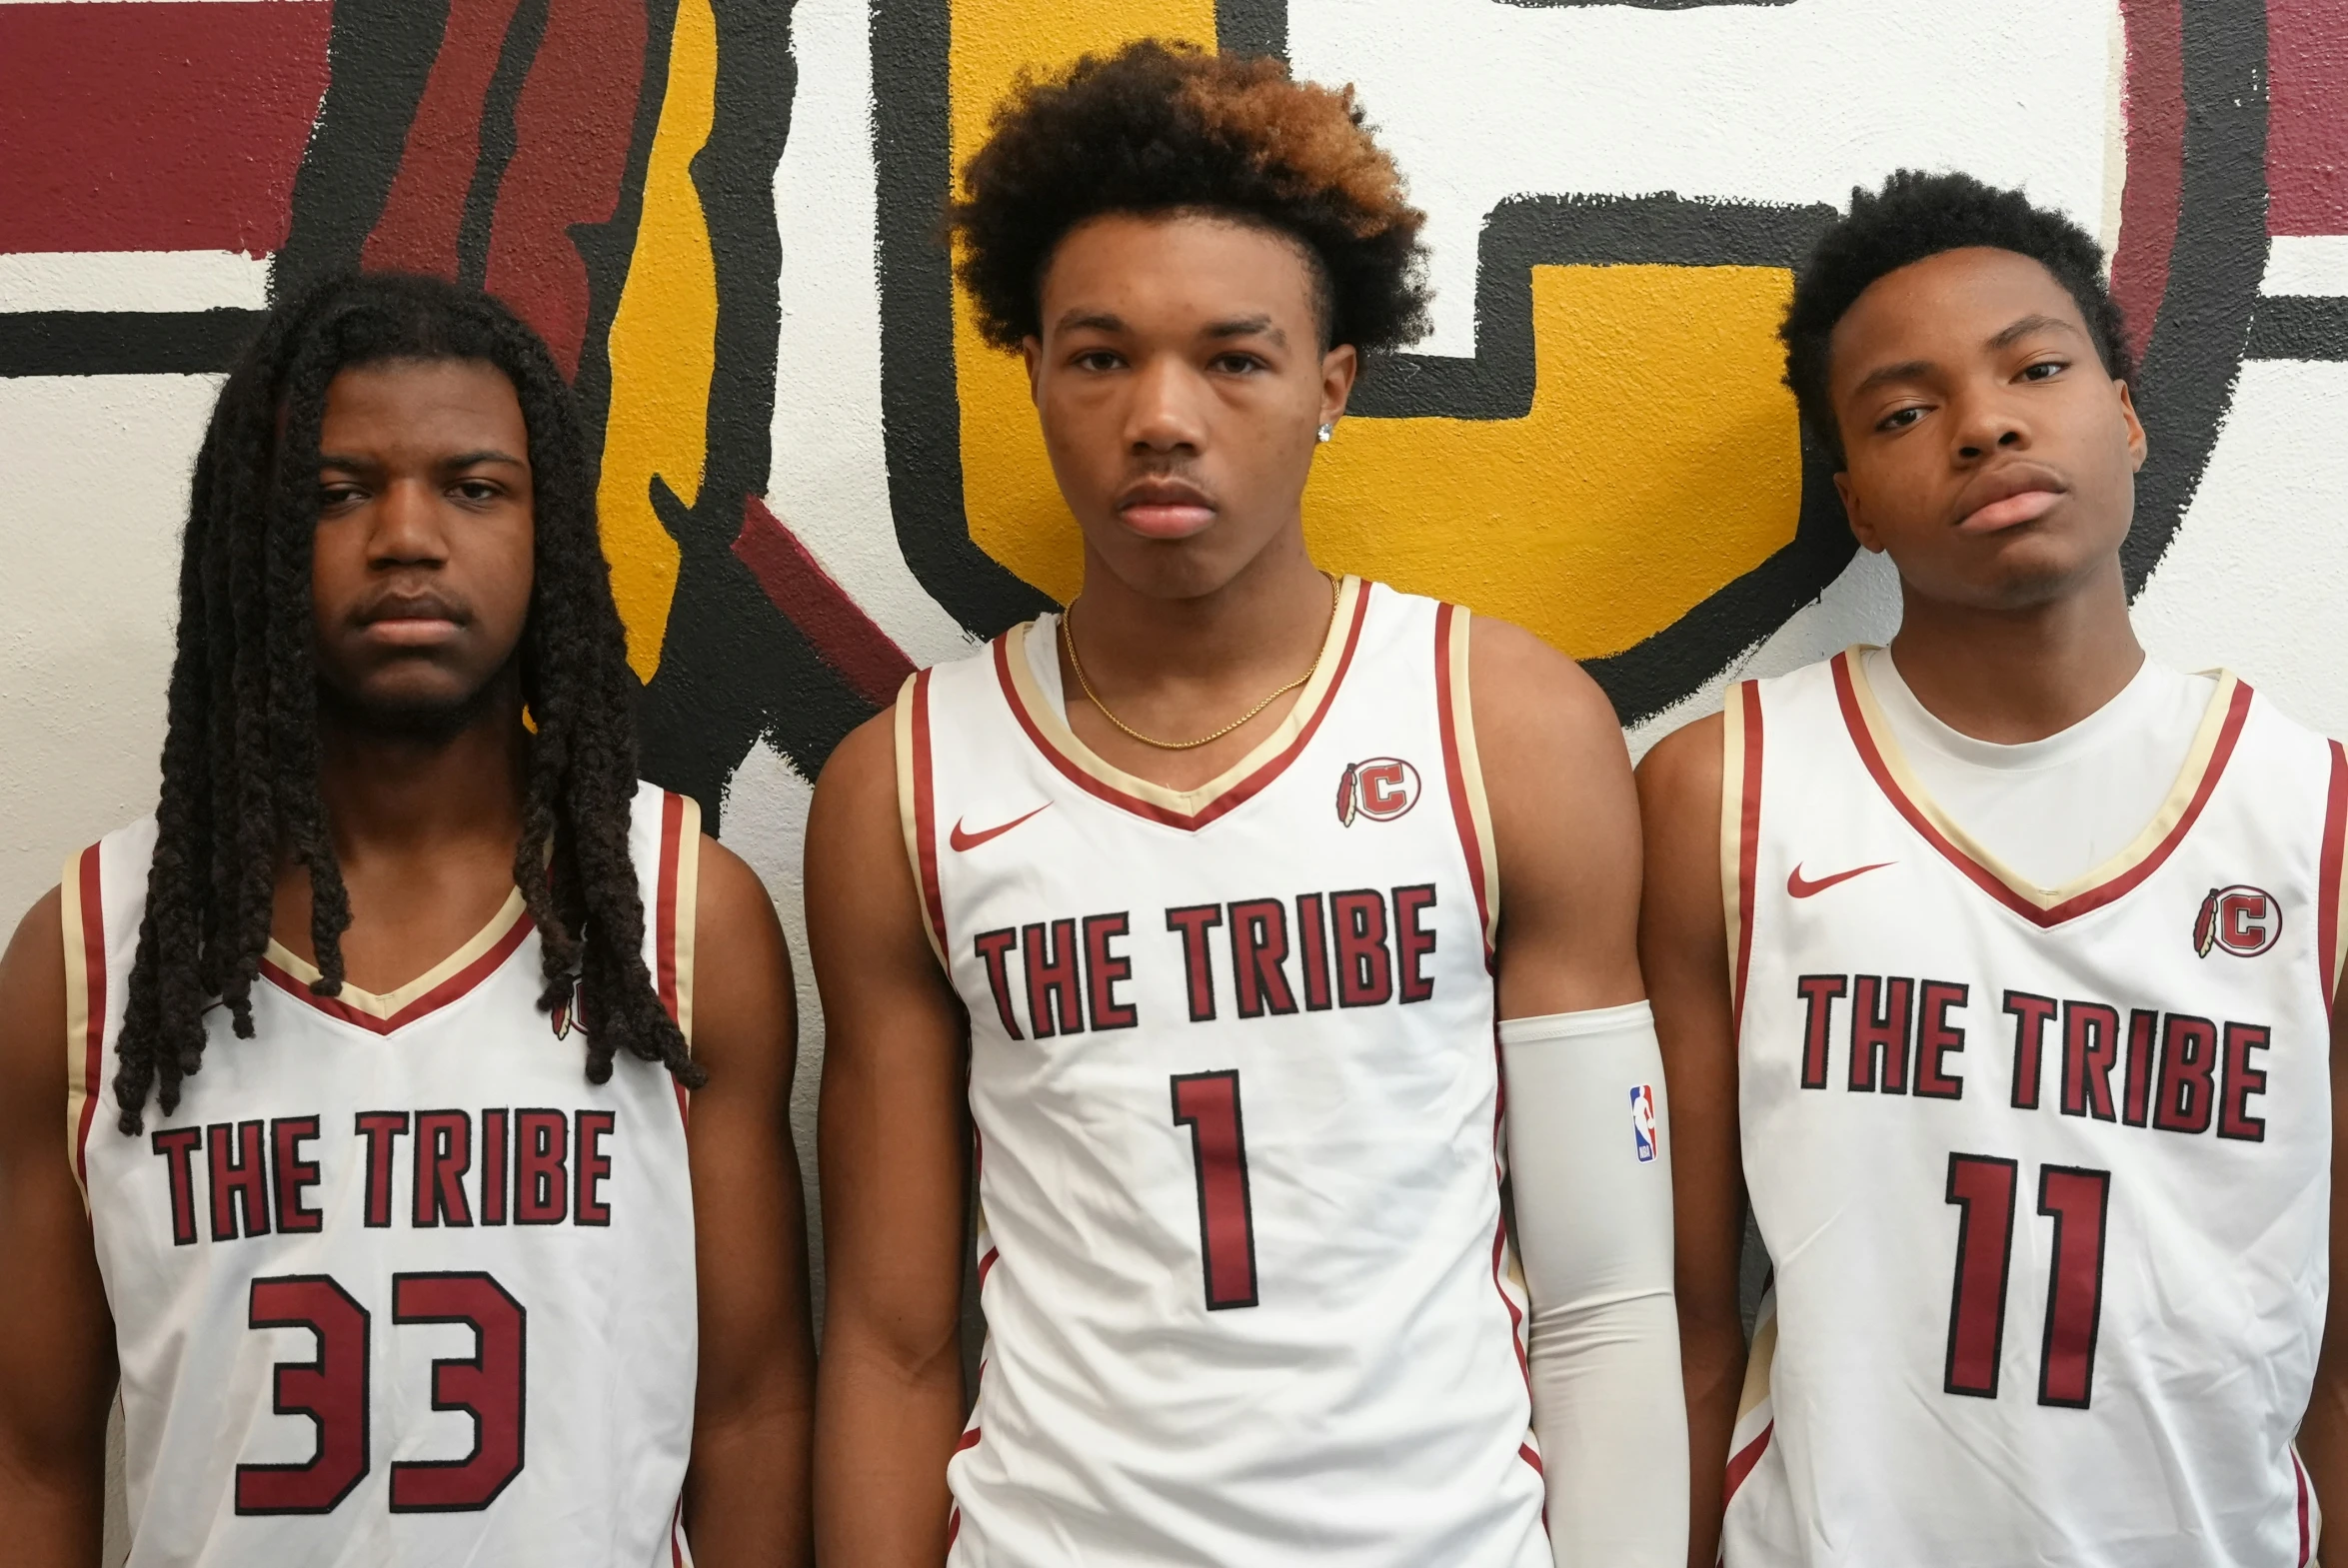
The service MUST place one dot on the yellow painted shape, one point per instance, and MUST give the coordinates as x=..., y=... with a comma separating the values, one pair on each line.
x=663, y=349
x=1016, y=514
x=1660, y=462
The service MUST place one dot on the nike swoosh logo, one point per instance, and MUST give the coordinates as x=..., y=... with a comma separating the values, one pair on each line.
x=1802, y=887
x=963, y=841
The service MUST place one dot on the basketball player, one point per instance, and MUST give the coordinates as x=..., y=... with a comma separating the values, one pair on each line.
x=421, y=1267
x=1995, y=970
x=1188, y=904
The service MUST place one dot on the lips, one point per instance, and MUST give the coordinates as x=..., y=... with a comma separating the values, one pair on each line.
x=2008, y=496
x=410, y=621
x=1165, y=508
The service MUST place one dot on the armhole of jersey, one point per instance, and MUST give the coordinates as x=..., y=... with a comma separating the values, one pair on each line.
x=81, y=907
x=1740, y=830
x=1463, y=769
x=917, y=810
x=2331, y=914
x=679, y=903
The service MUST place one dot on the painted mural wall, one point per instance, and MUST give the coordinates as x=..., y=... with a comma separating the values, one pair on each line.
x=721, y=213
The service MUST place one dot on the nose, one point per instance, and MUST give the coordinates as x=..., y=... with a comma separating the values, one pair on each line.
x=1164, y=415
x=408, y=527
x=1988, y=422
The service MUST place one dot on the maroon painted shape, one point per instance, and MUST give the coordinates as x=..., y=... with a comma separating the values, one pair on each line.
x=796, y=583
x=572, y=131
x=2307, y=117
x=157, y=126
x=2152, y=104
x=417, y=231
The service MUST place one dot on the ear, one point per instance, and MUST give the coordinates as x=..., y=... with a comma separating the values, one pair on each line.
x=1338, y=368
x=2136, y=441
x=1859, y=525
x=1032, y=356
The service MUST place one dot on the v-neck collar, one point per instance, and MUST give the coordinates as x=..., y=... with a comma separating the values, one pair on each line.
x=2205, y=761
x=430, y=991
x=1189, y=810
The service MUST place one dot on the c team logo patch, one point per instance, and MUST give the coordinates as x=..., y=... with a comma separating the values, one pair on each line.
x=1381, y=789
x=2244, y=920
x=1642, y=1122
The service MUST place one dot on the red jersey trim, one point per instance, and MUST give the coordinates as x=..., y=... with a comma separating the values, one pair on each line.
x=2329, y=890
x=451, y=989
x=1742, y=1463
x=1451, y=675
x=2094, y=897
x=675, y=904
x=1231, y=799
x=85, y=958
x=924, y=814
x=1744, y=734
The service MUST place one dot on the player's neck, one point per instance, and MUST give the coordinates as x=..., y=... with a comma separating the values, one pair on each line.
x=2013, y=675
x=391, y=795
x=1180, y=668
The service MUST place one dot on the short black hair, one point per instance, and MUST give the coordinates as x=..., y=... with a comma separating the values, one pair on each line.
x=1916, y=215
x=1167, y=128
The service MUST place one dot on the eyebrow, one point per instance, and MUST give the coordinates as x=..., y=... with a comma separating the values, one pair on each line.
x=1246, y=327
x=2027, y=325
x=462, y=460
x=1098, y=320
x=1905, y=370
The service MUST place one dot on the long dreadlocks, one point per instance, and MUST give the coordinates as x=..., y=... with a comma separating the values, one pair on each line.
x=240, y=752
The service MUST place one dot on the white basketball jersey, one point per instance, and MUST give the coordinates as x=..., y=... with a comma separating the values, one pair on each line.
x=2044, y=1172
x=1235, y=1091
x=396, y=1284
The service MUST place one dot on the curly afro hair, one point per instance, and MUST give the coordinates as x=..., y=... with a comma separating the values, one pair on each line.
x=1914, y=215
x=1158, y=128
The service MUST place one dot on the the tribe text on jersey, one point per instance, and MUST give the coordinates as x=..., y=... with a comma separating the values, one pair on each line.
x=2044, y=1172
x=1235, y=1090
x=396, y=1284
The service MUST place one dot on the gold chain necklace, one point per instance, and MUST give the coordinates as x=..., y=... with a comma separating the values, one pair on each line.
x=1067, y=638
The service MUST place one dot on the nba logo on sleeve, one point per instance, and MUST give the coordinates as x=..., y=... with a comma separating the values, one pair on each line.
x=1642, y=1122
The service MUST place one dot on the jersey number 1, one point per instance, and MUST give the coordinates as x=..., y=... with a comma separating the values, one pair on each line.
x=1208, y=1105
x=1983, y=1187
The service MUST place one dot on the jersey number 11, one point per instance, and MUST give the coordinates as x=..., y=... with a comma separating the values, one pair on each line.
x=1983, y=1187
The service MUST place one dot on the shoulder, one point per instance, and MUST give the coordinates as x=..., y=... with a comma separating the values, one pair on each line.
x=729, y=894
x=1518, y=684
x=1685, y=763
x=867, y=758
x=32, y=1004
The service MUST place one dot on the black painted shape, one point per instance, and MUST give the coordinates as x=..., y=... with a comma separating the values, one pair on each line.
x=2299, y=326
x=1251, y=27
x=2187, y=378
x=362, y=133
x=1525, y=232
x=734, y=672
x=498, y=139
x=605, y=249
x=919, y=415
x=733, y=667
x=1666, y=229
x=124, y=343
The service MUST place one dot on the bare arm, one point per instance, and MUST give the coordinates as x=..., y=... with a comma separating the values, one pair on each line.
x=57, y=1367
x=1565, y=818
x=745, y=1494
x=2323, y=1436
x=1683, y=947
x=1594, y=1217
x=893, y=1146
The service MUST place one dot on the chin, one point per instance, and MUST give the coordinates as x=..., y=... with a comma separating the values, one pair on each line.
x=409, y=711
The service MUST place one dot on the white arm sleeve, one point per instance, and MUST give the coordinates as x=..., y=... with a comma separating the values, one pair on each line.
x=1590, y=1169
